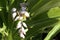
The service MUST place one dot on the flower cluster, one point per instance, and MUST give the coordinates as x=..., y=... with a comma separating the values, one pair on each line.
x=22, y=15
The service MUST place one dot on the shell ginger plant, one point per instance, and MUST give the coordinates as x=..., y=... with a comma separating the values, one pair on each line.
x=44, y=18
x=21, y=16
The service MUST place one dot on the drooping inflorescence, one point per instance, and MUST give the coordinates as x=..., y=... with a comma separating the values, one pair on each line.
x=22, y=15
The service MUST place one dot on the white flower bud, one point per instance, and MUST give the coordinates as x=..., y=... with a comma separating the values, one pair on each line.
x=13, y=9
x=22, y=35
x=14, y=15
x=23, y=30
x=19, y=25
x=16, y=18
x=24, y=24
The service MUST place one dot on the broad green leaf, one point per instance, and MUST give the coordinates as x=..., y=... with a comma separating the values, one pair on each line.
x=54, y=12
x=53, y=32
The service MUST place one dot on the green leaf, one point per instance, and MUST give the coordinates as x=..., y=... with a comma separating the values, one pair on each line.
x=54, y=12
x=53, y=32
x=40, y=18
x=3, y=28
x=45, y=7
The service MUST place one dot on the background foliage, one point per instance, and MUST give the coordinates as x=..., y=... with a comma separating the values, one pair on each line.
x=45, y=18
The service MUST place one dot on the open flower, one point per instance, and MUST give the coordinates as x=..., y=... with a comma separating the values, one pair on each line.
x=25, y=13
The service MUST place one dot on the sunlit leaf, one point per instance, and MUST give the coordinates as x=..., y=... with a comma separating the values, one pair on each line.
x=54, y=12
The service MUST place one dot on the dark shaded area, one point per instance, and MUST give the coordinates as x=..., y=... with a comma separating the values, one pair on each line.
x=37, y=37
x=0, y=36
x=42, y=36
x=57, y=37
x=1, y=23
